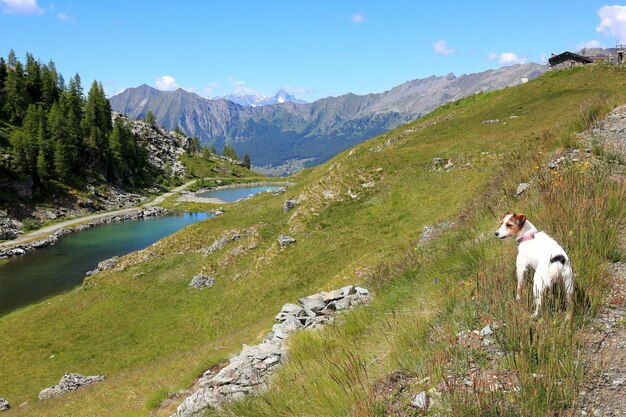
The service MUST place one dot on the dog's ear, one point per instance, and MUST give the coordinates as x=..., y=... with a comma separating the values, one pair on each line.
x=520, y=219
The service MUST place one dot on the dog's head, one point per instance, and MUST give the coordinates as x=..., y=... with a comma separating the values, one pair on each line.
x=511, y=225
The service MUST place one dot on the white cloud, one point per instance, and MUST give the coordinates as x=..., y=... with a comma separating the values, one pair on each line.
x=543, y=59
x=357, y=18
x=211, y=86
x=506, y=58
x=166, y=83
x=441, y=47
x=241, y=87
x=64, y=17
x=588, y=44
x=20, y=7
x=613, y=22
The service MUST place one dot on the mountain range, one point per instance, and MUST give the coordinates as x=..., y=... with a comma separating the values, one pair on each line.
x=287, y=136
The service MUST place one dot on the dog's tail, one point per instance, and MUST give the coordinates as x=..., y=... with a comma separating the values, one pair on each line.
x=560, y=268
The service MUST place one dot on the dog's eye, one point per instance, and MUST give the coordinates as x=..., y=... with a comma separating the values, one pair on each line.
x=509, y=225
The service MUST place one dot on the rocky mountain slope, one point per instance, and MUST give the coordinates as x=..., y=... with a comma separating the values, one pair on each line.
x=308, y=134
x=427, y=292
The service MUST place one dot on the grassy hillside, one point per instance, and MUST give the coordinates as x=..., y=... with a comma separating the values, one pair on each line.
x=359, y=219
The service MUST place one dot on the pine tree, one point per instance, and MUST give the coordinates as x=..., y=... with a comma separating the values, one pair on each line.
x=42, y=166
x=33, y=79
x=150, y=119
x=62, y=162
x=3, y=77
x=229, y=152
x=16, y=97
x=96, y=124
x=31, y=127
x=22, y=150
x=57, y=126
x=74, y=97
x=246, y=161
x=49, y=85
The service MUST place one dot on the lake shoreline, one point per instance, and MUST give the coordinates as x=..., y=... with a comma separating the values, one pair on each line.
x=193, y=197
x=21, y=249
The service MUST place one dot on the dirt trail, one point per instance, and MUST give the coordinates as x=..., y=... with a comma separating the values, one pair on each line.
x=605, y=345
x=45, y=231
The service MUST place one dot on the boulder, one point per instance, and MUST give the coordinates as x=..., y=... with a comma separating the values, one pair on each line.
x=284, y=329
x=420, y=401
x=201, y=281
x=288, y=310
x=315, y=303
x=523, y=186
x=4, y=404
x=289, y=204
x=18, y=252
x=69, y=382
x=286, y=240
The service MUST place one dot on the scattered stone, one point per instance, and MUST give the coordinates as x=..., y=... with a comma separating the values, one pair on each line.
x=420, y=401
x=69, y=382
x=286, y=240
x=18, y=252
x=486, y=331
x=551, y=165
x=4, y=404
x=202, y=281
x=449, y=164
x=490, y=121
x=617, y=382
x=523, y=186
x=289, y=204
x=219, y=244
x=279, y=191
x=249, y=371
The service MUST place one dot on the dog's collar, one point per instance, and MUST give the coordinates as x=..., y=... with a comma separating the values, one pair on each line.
x=525, y=238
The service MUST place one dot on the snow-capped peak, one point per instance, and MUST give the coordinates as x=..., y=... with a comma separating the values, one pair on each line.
x=255, y=100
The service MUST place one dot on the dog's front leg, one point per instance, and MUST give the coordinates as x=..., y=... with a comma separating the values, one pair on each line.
x=520, y=269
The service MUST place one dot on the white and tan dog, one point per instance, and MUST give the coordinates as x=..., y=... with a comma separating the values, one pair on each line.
x=540, y=252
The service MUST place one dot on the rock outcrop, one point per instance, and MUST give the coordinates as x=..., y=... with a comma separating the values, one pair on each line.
x=202, y=281
x=162, y=147
x=249, y=370
x=69, y=382
x=104, y=265
x=4, y=404
x=9, y=228
x=289, y=204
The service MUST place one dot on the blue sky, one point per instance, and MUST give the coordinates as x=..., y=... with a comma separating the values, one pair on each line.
x=312, y=48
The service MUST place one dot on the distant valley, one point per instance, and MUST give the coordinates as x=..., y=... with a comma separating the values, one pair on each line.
x=284, y=137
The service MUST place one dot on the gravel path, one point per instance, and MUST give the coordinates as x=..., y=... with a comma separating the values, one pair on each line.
x=45, y=231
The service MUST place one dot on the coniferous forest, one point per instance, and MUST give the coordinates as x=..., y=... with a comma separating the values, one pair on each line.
x=55, y=134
